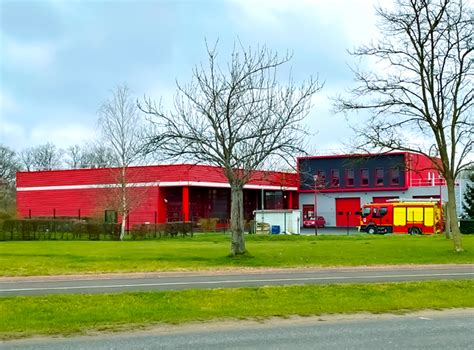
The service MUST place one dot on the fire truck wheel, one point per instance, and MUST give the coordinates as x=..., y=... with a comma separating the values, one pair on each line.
x=371, y=229
x=414, y=231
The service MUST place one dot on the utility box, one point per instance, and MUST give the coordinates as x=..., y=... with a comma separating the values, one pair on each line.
x=288, y=220
x=275, y=230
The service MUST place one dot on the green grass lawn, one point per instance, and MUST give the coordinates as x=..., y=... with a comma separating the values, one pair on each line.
x=210, y=251
x=75, y=314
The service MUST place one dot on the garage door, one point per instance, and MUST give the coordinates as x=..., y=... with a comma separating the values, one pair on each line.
x=346, y=211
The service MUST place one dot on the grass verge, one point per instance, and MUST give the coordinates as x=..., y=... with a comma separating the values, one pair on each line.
x=80, y=314
x=211, y=251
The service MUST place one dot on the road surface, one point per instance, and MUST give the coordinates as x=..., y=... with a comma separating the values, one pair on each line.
x=424, y=330
x=179, y=281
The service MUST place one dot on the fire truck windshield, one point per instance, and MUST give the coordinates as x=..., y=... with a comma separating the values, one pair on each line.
x=365, y=212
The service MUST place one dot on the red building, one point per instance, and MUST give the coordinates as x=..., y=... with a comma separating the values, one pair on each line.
x=160, y=193
x=340, y=184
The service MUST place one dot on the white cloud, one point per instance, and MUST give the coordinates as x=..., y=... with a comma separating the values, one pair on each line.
x=29, y=55
x=62, y=136
x=8, y=104
x=12, y=134
x=354, y=18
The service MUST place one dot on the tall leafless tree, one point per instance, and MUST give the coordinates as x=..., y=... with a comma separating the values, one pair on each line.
x=235, y=118
x=122, y=133
x=421, y=95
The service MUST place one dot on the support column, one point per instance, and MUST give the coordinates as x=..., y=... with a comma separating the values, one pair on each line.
x=185, y=203
x=161, y=205
x=290, y=199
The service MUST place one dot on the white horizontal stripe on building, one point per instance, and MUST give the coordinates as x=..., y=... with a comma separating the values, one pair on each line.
x=154, y=184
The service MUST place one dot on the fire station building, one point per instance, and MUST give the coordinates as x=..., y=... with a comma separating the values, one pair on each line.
x=337, y=186
x=334, y=186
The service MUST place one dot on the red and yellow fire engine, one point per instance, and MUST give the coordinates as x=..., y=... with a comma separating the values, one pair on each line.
x=402, y=216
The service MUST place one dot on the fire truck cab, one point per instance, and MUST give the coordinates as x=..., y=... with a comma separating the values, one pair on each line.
x=402, y=216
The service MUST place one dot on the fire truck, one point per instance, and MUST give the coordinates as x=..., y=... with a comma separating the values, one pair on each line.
x=402, y=216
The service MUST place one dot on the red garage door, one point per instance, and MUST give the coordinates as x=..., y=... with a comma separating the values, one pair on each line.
x=346, y=211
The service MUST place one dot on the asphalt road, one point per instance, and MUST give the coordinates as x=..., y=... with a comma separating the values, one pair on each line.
x=178, y=281
x=425, y=330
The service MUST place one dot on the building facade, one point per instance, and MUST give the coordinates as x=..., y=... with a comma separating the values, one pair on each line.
x=338, y=186
x=158, y=194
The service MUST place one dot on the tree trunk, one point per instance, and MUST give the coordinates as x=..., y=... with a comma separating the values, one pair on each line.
x=123, y=204
x=123, y=226
x=237, y=220
x=453, y=219
x=447, y=224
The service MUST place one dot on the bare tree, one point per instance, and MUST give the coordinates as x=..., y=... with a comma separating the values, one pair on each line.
x=27, y=159
x=422, y=95
x=122, y=133
x=9, y=165
x=96, y=155
x=75, y=157
x=42, y=157
x=47, y=157
x=236, y=119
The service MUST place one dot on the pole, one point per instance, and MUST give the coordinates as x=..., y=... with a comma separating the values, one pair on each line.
x=347, y=221
x=315, y=178
x=315, y=212
x=154, y=228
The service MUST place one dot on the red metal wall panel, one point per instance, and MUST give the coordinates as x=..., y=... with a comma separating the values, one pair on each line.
x=150, y=201
x=157, y=173
x=383, y=199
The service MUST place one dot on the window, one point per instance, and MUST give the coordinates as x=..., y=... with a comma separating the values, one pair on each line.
x=365, y=212
x=379, y=176
x=350, y=177
x=335, y=178
x=364, y=177
x=321, y=179
x=110, y=216
x=395, y=176
x=379, y=212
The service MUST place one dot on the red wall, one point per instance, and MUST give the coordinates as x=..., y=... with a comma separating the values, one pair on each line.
x=163, y=173
x=150, y=200
x=420, y=170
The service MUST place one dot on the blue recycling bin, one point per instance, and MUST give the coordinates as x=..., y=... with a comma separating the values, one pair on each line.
x=275, y=229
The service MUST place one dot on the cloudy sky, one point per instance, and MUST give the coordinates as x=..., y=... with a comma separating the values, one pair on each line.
x=59, y=60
